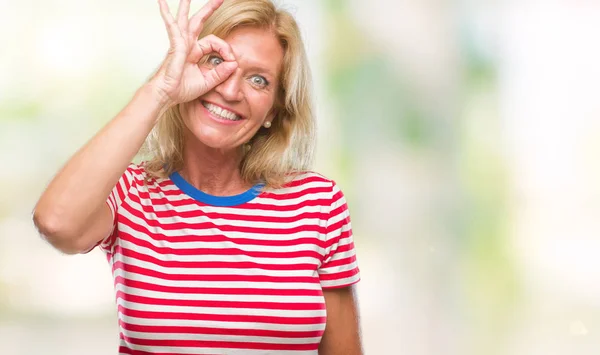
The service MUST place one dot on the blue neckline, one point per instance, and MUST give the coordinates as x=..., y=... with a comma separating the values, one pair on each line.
x=219, y=201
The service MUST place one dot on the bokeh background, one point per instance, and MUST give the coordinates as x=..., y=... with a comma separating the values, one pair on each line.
x=465, y=134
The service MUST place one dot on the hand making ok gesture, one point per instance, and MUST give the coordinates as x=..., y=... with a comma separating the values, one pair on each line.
x=180, y=78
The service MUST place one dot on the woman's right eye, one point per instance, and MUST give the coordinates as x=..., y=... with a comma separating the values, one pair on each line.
x=214, y=60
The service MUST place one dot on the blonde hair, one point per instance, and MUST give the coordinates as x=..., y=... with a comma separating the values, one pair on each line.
x=275, y=154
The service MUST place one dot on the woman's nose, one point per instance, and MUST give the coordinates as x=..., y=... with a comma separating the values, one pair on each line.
x=231, y=89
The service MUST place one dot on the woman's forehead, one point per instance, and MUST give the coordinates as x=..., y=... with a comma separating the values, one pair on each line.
x=256, y=48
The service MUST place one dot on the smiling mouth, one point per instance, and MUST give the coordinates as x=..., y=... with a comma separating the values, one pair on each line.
x=221, y=112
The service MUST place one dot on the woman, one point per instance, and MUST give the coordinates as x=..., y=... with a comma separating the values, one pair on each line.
x=222, y=242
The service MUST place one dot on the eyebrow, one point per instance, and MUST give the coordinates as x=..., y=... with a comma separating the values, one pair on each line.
x=262, y=70
x=253, y=67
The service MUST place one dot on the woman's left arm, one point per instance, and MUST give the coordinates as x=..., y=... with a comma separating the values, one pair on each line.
x=342, y=331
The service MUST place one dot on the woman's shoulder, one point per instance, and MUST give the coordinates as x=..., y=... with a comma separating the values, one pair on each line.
x=135, y=171
x=308, y=178
x=139, y=173
x=307, y=188
x=307, y=184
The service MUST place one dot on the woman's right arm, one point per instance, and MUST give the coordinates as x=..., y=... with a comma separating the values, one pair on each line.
x=72, y=213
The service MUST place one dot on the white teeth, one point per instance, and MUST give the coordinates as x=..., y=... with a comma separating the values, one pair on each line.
x=223, y=113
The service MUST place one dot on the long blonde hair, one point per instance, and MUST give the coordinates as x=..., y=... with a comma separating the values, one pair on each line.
x=275, y=154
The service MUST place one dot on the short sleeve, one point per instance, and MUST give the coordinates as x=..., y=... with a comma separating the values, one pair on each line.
x=119, y=193
x=339, y=267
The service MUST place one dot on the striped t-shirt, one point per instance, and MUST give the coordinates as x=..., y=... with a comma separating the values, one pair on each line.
x=201, y=274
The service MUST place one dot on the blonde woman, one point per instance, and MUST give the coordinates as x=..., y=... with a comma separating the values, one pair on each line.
x=223, y=241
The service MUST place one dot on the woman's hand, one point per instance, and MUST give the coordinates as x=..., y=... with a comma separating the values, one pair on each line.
x=180, y=78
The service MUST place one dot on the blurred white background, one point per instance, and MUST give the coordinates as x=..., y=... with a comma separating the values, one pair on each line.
x=466, y=136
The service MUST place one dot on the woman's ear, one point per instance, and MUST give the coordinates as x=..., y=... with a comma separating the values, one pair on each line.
x=272, y=114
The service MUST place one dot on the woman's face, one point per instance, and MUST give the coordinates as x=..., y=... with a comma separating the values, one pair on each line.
x=230, y=114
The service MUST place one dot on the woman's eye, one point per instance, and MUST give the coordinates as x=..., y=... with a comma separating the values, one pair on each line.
x=215, y=60
x=259, y=81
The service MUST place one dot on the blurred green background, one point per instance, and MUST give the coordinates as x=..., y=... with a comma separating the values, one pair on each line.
x=465, y=135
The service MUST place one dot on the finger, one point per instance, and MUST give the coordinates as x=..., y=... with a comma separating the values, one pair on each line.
x=219, y=74
x=182, y=14
x=213, y=44
x=170, y=24
x=197, y=21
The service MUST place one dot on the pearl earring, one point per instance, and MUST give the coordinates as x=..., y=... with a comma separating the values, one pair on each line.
x=267, y=124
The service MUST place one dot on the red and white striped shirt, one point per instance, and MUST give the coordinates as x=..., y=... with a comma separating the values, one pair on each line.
x=201, y=274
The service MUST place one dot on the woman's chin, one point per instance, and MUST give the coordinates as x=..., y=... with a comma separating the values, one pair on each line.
x=216, y=136
x=215, y=141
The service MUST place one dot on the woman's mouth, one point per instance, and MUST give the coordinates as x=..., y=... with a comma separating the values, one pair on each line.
x=221, y=112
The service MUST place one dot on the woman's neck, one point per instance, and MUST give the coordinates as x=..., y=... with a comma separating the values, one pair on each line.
x=213, y=171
